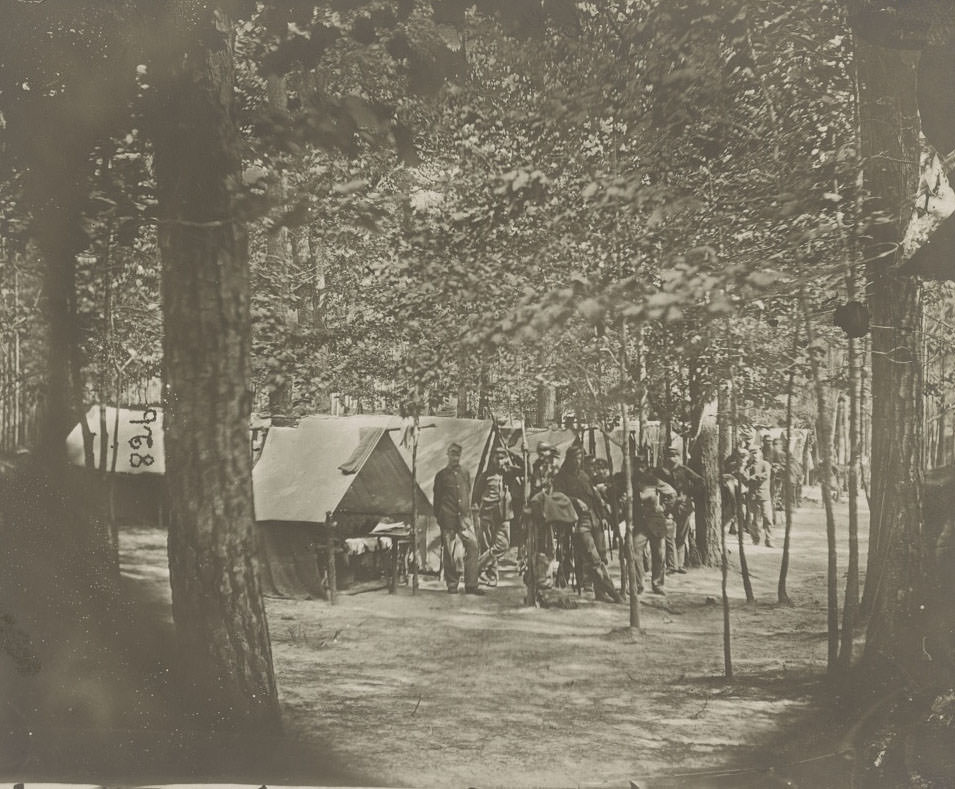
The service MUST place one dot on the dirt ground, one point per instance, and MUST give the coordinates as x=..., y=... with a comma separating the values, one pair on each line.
x=455, y=690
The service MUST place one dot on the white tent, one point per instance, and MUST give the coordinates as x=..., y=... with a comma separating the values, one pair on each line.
x=134, y=439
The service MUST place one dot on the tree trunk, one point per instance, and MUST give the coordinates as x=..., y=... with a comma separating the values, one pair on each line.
x=217, y=601
x=896, y=565
x=641, y=381
x=741, y=516
x=709, y=526
x=725, y=445
x=632, y=558
x=741, y=513
x=484, y=392
x=727, y=634
x=782, y=595
x=824, y=432
x=278, y=251
x=461, y=412
x=942, y=406
x=546, y=404
x=851, y=603
x=59, y=298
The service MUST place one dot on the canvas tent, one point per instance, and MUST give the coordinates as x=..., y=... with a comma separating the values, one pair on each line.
x=298, y=478
x=135, y=448
x=346, y=466
x=134, y=451
x=592, y=439
x=475, y=436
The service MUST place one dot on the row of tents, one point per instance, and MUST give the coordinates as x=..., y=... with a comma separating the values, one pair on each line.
x=356, y=470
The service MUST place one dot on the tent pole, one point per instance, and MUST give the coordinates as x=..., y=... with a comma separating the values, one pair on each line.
x=330, y=529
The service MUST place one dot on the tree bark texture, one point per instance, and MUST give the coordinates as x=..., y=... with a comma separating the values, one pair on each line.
x=890, y=146
x=546, y=405
x=709, y=527
x=60, y=412
x=217, y=600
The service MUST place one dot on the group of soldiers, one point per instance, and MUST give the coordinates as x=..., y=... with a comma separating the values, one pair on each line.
x=566, y=520
x=753, y=486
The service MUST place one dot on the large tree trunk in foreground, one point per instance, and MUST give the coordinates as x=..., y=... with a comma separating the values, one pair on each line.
x=894, y=588
x=217, y=601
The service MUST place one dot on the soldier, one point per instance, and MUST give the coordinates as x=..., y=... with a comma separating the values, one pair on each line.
x=600, y=478
x=545, y=466
x=649, y=522
x=686, y=483
x=495, y=511
x=575, y=484
x=452, y=508
x=757, y=475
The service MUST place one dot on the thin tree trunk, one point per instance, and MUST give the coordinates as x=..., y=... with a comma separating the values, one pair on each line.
x=628, y=482
x=484, y=396
x=641, y=368
x=709, y=526
x=18, y=415
x=851, y=603
x=278, y=250
x=741, y=516
x=782, y=595
x=217, y=600
x=942, y=406
x=462, y=407
x=741, y=513
x=725, y=445
x=668, y=405
x=727, y=637
x=824, y=433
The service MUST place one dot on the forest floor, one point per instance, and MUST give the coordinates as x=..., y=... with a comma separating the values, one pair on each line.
x=455, y=690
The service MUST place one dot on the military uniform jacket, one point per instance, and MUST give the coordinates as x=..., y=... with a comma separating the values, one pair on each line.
x=452, y=498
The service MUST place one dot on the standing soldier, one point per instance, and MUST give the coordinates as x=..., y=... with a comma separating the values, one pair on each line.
x=686, y=483
x=452, y=507
x=758, y=474
x=574, y=483
x=495, y=511
x=545, y=466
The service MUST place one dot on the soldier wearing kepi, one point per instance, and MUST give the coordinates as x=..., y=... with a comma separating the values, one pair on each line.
x=686, y=483
x=452, y=507
x=545, y=467
x=757, y=475
x=574, y=483
x=495, y=510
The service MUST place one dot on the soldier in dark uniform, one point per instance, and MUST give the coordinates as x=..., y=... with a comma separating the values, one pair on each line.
x=649, y=524
x=686, y=483
x=495, y=511
x=452, y=508
x=574, y=483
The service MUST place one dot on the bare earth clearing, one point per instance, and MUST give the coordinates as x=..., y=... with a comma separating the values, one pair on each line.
x=442, y=690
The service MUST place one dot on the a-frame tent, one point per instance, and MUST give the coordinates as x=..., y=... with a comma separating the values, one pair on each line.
x=131, y=479
x=347, y=467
